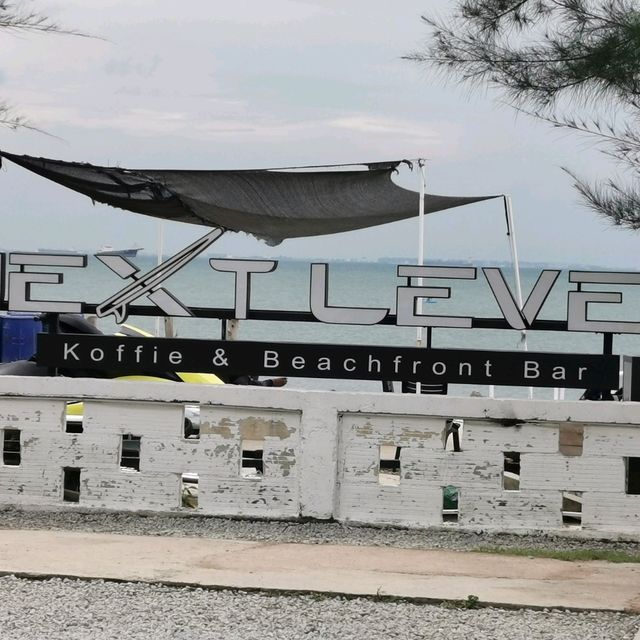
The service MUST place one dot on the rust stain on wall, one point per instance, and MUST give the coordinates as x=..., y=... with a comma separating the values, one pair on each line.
x=418, y=434
x=256, y=428
x=364, y=430
x=222, y=429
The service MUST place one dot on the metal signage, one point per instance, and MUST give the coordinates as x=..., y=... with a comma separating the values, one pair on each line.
x=415, y=284
x=228, y=359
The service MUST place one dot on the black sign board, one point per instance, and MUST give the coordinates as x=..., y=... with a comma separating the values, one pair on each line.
x=230, y=359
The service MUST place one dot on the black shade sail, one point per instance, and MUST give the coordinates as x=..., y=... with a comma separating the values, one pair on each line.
x=270, y=204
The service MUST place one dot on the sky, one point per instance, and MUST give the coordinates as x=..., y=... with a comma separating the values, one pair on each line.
x=218, y=85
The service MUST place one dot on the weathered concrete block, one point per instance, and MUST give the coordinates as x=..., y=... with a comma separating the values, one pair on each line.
x=178, y=455
x=28, y=414
x=525, y=437
x=159, y=419
x=130, y=490
x=417, y=431
x=613, y=512
x=460, y=469
x=585, y=473
x=510, y=510
x=611, y=440
x=409, y=506
x=257, y=497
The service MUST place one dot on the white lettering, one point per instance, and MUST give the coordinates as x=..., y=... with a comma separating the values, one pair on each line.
x=353, y=366
x=242, y=270
x=175, y=357
x=96, y=354
x=407, y=297
x=510, y=310
x=487, y=368
x=70, y=351
x=559, y=373
x=396, y=363
x=581, y=370
x=119, y=350
x=320, y=308
x=373, y=361
x=298, y=362
x=20, y=282
x=531, y=369
x=439, y=368
x=462, y=366
x=324, y=364
x=271, y=359
x=578, y=301
x=415, y=364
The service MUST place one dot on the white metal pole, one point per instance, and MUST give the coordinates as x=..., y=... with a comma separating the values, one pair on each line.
x=423, y=188
x=511, y=232
x=160, y=251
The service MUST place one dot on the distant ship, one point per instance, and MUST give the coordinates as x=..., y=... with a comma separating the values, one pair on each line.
x=108, y=250
x=104, y=250
x=61, y=252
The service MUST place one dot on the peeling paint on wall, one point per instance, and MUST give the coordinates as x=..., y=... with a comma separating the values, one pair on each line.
x=321, y=455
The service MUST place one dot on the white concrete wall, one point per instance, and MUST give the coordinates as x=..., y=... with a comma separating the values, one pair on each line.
x=321, y=454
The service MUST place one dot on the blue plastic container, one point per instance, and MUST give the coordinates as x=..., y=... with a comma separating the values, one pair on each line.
x=18, y=332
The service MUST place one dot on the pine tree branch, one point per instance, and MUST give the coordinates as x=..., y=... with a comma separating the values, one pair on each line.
x=14, y=18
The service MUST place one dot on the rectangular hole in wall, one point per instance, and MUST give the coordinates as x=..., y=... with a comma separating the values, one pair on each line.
x=71, y=484
x=130, y=458
x=73, y=418
x=632, y=466
x=389, y=465
x=511, y=471
x=11, y=453
x=572, y=508
x=452, y=434
x=570, y=439
x=450, y=503
x=189, y=490
x=191, y=422
x=252, y=462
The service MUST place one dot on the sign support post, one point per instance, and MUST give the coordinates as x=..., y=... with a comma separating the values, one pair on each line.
x=423, y=188
x=511, y=233
x=630, y=379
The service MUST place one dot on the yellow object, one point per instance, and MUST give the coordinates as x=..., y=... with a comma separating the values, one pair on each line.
x=188, y=377
x=77, y=408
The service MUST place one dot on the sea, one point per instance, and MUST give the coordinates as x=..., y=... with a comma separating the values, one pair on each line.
x=365, y=284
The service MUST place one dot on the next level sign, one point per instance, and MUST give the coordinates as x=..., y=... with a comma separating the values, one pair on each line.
x=231, y=359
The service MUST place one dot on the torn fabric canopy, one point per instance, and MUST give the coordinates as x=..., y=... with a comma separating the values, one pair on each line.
x=270, y=204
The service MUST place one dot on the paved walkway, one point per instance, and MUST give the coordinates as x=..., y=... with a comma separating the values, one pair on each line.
x=408, y=573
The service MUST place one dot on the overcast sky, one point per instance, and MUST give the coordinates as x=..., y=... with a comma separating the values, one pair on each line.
x=208, y=84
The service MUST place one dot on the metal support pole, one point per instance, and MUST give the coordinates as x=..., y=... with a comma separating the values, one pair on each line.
x=423, y=188
x=631, y=379
x=511, y=233
x=159, y=252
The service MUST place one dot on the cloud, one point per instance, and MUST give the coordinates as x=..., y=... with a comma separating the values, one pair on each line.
x=249, y=12
x=382, y=125
x=143, y=67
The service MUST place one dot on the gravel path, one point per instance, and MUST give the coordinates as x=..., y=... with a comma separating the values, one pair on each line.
x=303, y=532
x=74, y=610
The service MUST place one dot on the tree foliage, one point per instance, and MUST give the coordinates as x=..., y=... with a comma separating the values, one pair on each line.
x=573, y=63
x=16, y=17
